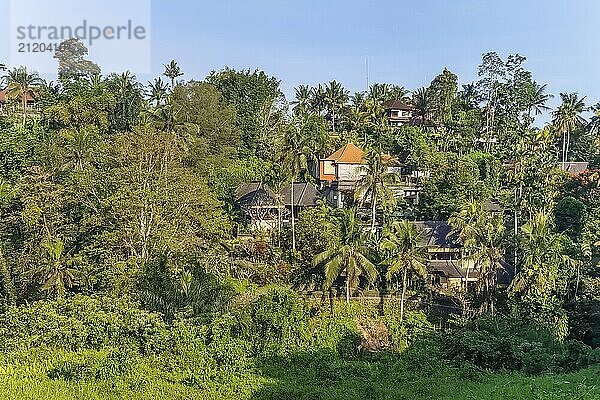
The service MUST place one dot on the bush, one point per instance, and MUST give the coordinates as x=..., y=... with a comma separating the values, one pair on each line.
x=103, y=365
x=279, y=322
x=507, y=344
x=81, y=323
x=403, y=334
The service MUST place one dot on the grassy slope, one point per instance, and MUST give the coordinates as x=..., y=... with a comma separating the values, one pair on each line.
x=308, y=377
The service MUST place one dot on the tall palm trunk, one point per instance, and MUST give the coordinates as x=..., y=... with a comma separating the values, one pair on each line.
x=373, y=212
x=347, y=287
x=24, y=103
x=403, y=295
x=293, y=219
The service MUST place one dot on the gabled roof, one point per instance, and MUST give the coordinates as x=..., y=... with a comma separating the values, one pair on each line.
x=255, y=194
x=493, y=205
x=349, y=154
x=451, y=269
x=574, y=168
x=305, y=194
x=436, y=233
x=397, y=105
x=3, y=92
x=258, y=194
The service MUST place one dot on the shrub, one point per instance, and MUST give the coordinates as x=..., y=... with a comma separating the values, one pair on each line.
x=93, y=365
x=507, y=344
x=279, y=322
x=81, y=322
x=403, y=334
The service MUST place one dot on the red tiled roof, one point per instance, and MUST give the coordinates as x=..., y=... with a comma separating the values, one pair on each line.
x=30, y=98
x=349, y=154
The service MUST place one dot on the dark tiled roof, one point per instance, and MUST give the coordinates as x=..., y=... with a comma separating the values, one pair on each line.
x=493, y=205
x=437, y=233
x=305, y=194
x=255, y=194
x=450, y=269
x=574, y=168
x=397, y=105
x=260, y=194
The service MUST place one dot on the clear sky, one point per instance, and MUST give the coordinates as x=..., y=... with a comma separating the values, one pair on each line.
x=406, y=42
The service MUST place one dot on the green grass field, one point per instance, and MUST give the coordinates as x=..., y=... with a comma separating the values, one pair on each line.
x=308, y=376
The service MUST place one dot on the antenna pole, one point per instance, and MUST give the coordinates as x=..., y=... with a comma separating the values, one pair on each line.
x=367, y=70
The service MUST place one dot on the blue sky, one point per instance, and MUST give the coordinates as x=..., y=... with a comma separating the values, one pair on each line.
x=406, y=42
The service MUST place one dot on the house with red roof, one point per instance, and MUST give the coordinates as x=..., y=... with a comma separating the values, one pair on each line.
x=340, y=172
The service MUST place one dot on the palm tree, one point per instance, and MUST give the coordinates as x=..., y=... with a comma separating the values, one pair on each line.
x=80, y=143
x=57, y=272
x=302, y=102
x=22, y=85
x=317, y=99
x=403, y=244
x=538, y=99
x=541, y=262
x=172, y=71
x=374, y=185
x=379, y=92
x=166, y=117
x=127, y=89
x=567, y=118
x=594, y=125
x=295, y=150
x=482, y=236
x=398, y=93
x=3, y=77
x=335, y=98
x=349, y=256
x=157, y=91
x=421, y=99
x=357, y=100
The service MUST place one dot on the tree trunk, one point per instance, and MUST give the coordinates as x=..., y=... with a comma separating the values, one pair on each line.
x=567, y=146
x=293, y=219
x=373, y=213
x=403, y=296
x=347, y=287
x=24, y=101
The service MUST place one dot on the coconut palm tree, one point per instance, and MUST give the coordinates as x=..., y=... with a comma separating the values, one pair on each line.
x=157, y=91
x=302, y=102
x=379, y=92
x=317, y=99
x=483, y=238
x=468, y=96
x=594, y=125
x=172, y=71
x=22, y=85
x=537, y=99
x=374, y=186
x=296, y=151
x=421, y=99
x=398, y=93
x=541, y=262
x=567, y=118
x=127, y=90
x=58, y=271
x=402, y=243
x=348, y=258
x=335, y=98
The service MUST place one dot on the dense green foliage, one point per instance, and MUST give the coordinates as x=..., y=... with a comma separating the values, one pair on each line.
x=128, y=269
